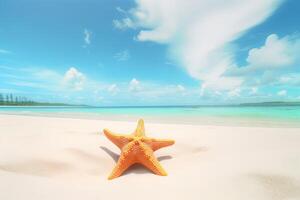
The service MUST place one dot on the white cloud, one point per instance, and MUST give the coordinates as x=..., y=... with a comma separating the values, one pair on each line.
x=34, y=77
x=157, y=94
x=74, y=79
x=134, y=85
x=180, y=88
x=136, y=92
x=290, y=79
x=113, y=89
x=3, y=51
x=274, y=63
x=199, y=33
x=200, y=36
x=221, y=83
x=253, y=91
x=120, y=10
x=46, y=74
x=26, y=83
x=124, y=23
x=274, y=54
x=234, y=92
x=282, y=93
x=87, y=36
x=11, y=91
x=122, y=55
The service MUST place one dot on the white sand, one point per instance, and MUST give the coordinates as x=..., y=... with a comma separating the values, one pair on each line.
x=57, y=158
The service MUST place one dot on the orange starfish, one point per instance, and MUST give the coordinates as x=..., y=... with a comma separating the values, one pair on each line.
x=137, y=148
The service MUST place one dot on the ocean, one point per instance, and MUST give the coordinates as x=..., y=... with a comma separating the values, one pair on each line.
x=204, y=115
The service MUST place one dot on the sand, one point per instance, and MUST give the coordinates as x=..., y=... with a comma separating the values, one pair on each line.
x=59, y=158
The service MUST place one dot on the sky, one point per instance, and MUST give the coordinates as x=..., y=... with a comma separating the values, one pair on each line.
x=150, y=52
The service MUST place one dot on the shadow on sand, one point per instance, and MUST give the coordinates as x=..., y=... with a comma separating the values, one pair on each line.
x=136, y=168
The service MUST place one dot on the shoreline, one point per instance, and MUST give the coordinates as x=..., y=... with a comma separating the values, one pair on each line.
x=192, y=120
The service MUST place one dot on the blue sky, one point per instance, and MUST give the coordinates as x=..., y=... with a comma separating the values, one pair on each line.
x=150, y=52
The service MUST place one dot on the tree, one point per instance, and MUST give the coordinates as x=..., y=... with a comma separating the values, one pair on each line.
x=11, y=99
x=1, y=99
x=7, y=99
x=20, y=101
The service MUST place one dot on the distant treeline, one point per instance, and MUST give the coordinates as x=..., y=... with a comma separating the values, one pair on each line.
x=10, y=99
x=272, y=103
x=14, y=100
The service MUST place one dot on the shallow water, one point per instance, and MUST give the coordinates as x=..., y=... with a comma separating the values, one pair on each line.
x=217, y=115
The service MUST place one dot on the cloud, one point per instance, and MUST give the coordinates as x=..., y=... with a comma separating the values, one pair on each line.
x=113, y=89
x=274, y=63
x=282, y=93
x=31, y=77
x=31, y=84
x=200, y=33
x=45, y=74
x=292, y=79
x=253, y=91
x=10, y=91
x=122, y=55
x=134, y=85
x=3, y=51
x=234, y=92
x=74, y=79
x=274, y=54
x=120, y=10
x=221, y=83
x=77, y=88
x=87, y=36
x=180, y=88
x=123, y=24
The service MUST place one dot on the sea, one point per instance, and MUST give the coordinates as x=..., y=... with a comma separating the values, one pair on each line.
x=236, y=115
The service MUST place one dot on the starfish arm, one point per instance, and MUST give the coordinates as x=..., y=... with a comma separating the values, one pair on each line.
x=149, y=160
x=137, y=148
x=140, y=129
x=125, y=161
x=156, y=144
x=119, y=140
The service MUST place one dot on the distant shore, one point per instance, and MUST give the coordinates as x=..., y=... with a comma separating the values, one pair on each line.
x=35, y=104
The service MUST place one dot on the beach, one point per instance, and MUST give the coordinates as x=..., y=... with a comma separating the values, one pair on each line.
x=63, y=158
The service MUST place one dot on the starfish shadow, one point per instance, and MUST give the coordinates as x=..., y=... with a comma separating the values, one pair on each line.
x=140, y=169
x=112, y=154
x=136, y=168
x=161, y=158
x=115, y=156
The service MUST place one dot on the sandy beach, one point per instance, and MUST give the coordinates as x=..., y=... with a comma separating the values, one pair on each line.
x=62, y=158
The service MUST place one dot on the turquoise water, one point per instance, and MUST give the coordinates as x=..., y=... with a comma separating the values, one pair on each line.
x=283, y=113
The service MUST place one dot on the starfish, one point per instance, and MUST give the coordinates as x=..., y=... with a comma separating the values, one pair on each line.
x=137, y=148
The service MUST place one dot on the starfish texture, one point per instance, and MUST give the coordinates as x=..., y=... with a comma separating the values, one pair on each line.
x=137, y=148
